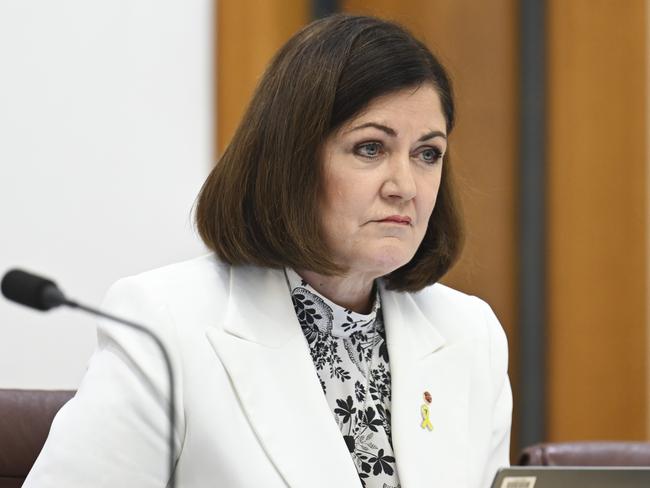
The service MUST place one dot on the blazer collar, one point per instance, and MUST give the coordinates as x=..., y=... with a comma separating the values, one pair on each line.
x=267, y=358
x=407, y=328
x=256, y=294
x=260, y=308
x=421, y=359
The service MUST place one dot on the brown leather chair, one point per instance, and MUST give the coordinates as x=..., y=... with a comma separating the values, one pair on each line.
x=25, y=419
x=587, y=454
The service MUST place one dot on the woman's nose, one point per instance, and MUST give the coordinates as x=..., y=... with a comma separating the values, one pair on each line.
x=400, y=180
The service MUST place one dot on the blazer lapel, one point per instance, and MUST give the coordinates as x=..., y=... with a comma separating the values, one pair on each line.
x=267, y=358
x=421, y=360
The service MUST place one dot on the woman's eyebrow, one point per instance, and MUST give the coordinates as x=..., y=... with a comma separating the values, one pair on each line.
x=381, y=127
x=392, y=132
x=432, y=134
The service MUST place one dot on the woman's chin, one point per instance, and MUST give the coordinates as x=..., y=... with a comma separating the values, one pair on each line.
x=383, y=262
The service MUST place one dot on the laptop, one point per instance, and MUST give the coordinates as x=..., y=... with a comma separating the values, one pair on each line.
x=572, y=477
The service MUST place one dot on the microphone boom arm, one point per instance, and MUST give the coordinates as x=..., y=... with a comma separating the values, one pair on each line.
x=170, y=375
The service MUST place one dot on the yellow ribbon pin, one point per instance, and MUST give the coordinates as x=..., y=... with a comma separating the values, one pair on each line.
x=426, y=421
x=424, y=410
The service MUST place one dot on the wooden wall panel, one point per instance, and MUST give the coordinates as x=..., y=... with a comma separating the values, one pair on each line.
x=477, y=42
x=647, y=205
x=597, y=221
x=249, y=32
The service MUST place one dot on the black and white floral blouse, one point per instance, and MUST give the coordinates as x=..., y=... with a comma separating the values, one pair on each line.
x=351, y=359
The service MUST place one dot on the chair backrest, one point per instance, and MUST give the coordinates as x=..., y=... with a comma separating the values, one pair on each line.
x=25, y=419
x=587, y=454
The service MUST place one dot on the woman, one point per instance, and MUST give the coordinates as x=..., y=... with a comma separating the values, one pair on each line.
x=314, y=347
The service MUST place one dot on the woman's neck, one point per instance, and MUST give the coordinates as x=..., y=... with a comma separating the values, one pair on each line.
x=353, y=292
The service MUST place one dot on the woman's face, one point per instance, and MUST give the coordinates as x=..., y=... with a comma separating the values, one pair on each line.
x=381, y=177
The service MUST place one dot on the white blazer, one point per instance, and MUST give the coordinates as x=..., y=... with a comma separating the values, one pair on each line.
x=251, y=409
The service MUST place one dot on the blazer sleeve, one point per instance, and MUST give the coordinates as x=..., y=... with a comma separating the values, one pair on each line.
x=499, y=443
x=115, y=431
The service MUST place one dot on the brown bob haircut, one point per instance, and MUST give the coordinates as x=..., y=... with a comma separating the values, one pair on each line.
x=260, y=203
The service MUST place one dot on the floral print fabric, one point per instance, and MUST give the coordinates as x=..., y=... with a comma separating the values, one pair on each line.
x=351, y=359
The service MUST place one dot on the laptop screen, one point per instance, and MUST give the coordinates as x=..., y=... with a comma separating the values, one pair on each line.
x=561, y=477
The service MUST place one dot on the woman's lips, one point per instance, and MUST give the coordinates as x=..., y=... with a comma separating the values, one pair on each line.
x=396, y=219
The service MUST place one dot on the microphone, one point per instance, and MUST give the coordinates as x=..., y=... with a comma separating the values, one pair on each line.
x=31, y=290
x=43, y=294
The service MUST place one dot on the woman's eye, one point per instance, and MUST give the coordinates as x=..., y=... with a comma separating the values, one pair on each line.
x=430, y=155
x=369, y=149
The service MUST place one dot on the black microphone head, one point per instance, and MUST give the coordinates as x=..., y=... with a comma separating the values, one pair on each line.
x=31, y=290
